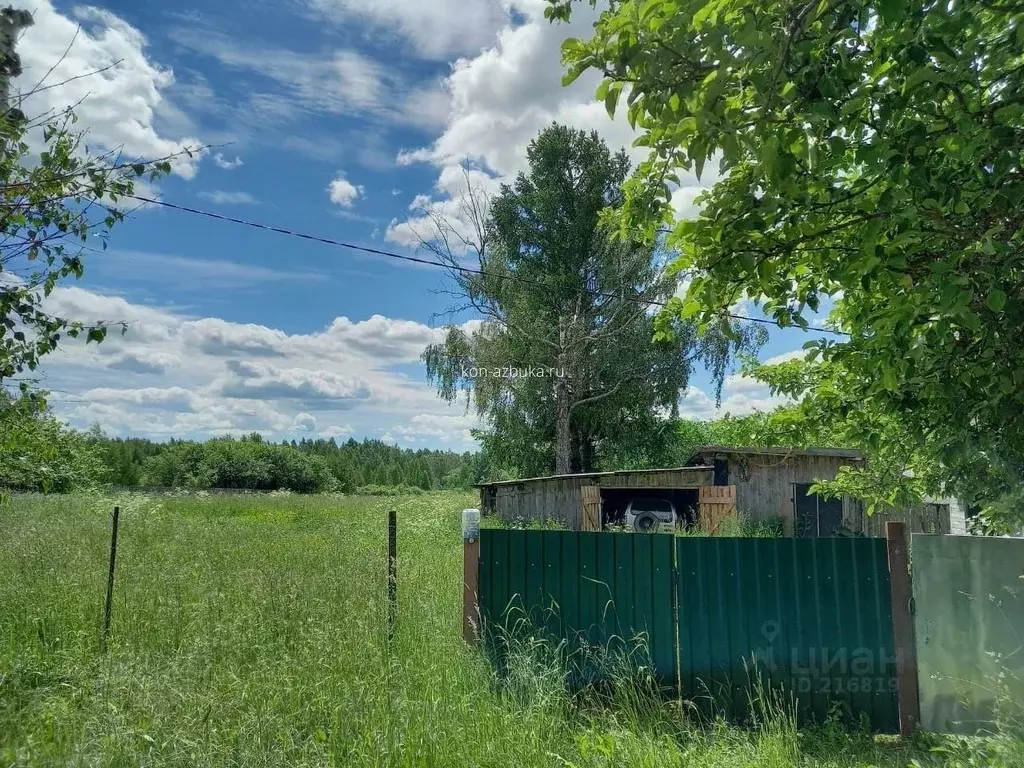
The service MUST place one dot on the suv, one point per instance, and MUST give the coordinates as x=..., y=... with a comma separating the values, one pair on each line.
x=648, y=515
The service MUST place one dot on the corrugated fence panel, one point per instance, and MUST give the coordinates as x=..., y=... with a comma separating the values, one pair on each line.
x=811, y=617
x=589, y=589
x=969, y=626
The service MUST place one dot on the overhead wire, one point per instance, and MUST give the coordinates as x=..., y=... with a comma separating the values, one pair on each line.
x=432, y=263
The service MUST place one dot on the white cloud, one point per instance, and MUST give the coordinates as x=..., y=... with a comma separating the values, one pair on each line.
x=220, y=197
x=463, y=195
x=226, y=164
x=304, y=422
x=504, y=96
x=119, y=105
x=432, y=428
x=336, y=431
x=176, y=375
x=437, y=28
x=343, y=192
x=741, y=396
x=683, y=202
x=793, y=354
x=262, y=381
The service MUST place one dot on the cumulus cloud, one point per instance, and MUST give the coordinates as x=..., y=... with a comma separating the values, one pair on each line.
x=336, y=431
x=500, y=99
x=304, y=422
x=175, y=375
x=432, y=428
x=214, y=336
x=118, y=105
x=261, y=381
x=343, y=192
x=459, y=208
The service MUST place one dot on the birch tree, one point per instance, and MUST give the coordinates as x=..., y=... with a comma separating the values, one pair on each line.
x=563, y=367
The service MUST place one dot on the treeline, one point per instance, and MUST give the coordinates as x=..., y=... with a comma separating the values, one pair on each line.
x=305, y=466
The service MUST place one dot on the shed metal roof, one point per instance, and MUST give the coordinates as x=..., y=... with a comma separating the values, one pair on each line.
x=846, y=453
x=594, y=474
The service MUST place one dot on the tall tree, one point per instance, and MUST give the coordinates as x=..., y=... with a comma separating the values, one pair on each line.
x=563, y=367
x=871, y=151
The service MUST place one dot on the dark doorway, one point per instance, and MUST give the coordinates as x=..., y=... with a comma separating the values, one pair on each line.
x=615, y=500
x=813, y=516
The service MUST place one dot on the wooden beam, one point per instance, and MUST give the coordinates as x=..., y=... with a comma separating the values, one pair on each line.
x=470, y=590
x=903, y=627
x=470, y=576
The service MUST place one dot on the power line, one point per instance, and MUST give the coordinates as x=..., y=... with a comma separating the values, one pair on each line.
x=432, y=263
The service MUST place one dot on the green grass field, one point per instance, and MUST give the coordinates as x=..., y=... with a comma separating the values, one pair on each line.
x=250, y=631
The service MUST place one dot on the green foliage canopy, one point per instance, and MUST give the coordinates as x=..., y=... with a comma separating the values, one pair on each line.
x=52, y=202
x=871, y=152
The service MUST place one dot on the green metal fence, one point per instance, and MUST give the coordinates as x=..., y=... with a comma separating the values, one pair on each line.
x=811, y=618
x=588, y=589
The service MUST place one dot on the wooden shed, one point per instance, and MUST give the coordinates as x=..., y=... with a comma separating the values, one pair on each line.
x=758, y=483
x=774, y=483
x=589, y=501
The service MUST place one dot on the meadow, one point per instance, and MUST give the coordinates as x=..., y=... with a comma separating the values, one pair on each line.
x=251, y=631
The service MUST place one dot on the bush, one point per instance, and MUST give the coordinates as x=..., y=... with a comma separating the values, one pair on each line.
x=238, y=464
x=40, y=454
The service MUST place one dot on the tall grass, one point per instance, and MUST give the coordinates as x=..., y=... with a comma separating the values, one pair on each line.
x=250, y=631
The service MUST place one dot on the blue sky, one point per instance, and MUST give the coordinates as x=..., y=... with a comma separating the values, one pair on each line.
x=347, y=119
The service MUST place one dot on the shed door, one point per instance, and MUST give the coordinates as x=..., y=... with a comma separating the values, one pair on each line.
x=815, y=517
x=590, y=507
x=717, y=504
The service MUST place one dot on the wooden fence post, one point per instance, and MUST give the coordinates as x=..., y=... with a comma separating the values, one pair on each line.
x=470, y=575
x=392, y=573
x=109, y=604
x=903, y=627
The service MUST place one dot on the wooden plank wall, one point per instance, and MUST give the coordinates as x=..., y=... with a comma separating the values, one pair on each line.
x=541, y=499
x=920, y=518
x=764, y=484
x=559, y=498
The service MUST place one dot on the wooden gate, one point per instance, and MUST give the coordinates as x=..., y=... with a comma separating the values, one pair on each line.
x=717, y=503
x=590, y=508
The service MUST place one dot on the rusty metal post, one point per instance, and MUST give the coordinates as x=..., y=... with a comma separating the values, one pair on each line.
x=392, y=573
x=470, y=575
x=110, y=582
x=903, y=627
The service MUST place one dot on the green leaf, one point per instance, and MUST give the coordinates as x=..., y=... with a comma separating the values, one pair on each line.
x=996, y=300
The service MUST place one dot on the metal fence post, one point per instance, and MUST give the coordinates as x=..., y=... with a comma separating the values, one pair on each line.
x=110, y=582
x=903, y=627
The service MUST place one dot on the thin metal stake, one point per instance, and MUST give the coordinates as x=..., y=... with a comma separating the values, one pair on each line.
x=110, y=582
x=392, y=573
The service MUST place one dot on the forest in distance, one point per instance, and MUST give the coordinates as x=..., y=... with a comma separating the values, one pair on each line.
x=52, y=457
